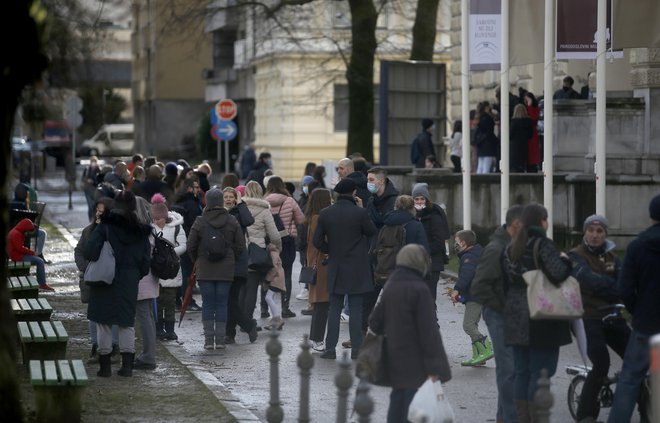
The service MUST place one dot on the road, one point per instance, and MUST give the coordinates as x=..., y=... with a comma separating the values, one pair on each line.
x=243, y=368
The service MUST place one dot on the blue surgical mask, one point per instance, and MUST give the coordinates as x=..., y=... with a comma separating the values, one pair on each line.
x=372, y=187
x=305, y=190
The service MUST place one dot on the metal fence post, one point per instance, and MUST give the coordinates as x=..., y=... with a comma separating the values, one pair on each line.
x=654, y=370
x=364, y=405
x=543, y=399
x=305, y=363
x=343, y=382
x=274, y=414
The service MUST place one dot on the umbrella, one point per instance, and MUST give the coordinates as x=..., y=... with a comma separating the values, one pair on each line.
x=187, y=296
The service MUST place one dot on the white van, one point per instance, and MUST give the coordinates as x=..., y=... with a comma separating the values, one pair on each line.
x=110, y=140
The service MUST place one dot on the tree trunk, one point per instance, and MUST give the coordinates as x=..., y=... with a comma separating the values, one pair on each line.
x=424, y=30
x=360, y=76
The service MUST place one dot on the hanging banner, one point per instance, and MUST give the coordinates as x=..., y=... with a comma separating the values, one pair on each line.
x=577, y=24
x=485, y=35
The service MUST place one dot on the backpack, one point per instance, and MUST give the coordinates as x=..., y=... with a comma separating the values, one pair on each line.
x=391, y=238
x=165, y=263
x=213, y=244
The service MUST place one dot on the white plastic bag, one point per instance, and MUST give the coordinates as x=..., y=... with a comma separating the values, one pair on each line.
x=429, y=405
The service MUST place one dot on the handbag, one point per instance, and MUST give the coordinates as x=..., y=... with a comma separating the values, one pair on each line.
x=547, y=301
x=101, y=271
x=372, y=360
x=430, y=405
x=308, y=275
x=259, y=258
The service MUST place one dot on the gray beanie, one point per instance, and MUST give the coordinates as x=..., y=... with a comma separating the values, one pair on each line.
x=421, y=190
x=595, y=219
x=214, y=198
x=415, y=257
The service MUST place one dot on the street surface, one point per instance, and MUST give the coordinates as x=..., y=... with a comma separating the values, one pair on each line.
x=243, y=368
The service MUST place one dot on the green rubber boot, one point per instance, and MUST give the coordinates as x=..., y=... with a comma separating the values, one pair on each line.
x=485, y=349
x=475, y=357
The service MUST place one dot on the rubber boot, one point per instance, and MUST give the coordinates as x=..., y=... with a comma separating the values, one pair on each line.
x=160, y=332
x=209, y=334
x=104, y=363
x=220, y=332
x=170, y=335
x=126, y=364
x=485, y=349
x=522, y=410
x=475, y=357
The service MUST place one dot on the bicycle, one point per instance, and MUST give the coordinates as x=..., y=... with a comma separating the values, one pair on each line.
x=606, y=393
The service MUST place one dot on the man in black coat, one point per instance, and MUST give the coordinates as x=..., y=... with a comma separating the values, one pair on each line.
x=346, y=169
x=154, y=184
x=422, y=146
x=349, y=268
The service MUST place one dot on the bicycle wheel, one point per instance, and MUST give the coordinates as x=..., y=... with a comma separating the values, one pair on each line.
x=574, y=392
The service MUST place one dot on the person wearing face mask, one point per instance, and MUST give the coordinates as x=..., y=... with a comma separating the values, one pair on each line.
x=597, y=269
x=436, y=227
x=383, y=195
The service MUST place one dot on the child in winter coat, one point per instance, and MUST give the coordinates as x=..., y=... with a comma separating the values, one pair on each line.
x=465, y=243
x=276, y=287
x=17, y=251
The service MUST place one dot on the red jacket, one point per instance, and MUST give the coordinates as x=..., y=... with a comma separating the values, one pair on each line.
x=16, y=249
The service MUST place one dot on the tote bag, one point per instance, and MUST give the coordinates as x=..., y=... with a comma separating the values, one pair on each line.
x=547, y=301
x=101, y=271
x=259, y=258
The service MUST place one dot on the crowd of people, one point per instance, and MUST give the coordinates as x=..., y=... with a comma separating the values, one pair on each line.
x=380, y=271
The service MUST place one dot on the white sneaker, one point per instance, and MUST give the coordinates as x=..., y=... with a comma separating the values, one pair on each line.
x=303, y=296
x=343, y=318
x=318, y=346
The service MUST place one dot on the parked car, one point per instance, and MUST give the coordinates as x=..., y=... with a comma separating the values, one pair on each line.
x=110, y=140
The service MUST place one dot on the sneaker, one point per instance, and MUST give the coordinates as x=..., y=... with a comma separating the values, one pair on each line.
x=307, y=312
x=343, y=318
x=329, y=355
x=303, y=296
x=230, y=340
x=194, y=307
x=46, y=288
x=318, y=346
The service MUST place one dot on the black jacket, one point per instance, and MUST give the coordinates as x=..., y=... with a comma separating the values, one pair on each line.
x=436, y=227
x=487, y=144
x=421, y=147
x=488, y=285
x=414, y=230
x=152, y=185
x=520, y=133
x=257, y=173
x=245, y=219
x=379, y=206
x=360, y=180
x=189, y=206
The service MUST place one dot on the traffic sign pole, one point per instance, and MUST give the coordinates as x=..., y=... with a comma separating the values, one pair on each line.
x=226, y=143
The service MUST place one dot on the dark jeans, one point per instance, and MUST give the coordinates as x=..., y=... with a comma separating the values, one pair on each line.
x=236, y=314
x=354, y=324
x=456, y=161
x=247, y=297
x=319, y=322
x=215, y=299
x=368, y=303
x=599, y=336
x=504, y=366
x=432, y=280
x=528, y=365
x=400, y=399
x=288, y=256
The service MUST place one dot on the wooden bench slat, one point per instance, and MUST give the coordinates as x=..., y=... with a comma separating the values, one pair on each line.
x=32, y=281
x=66, y=375
x=37, y=335
x=45, y=305
x=79, y=372
x=23, y=281
x=34, y=304
x=61, y=332
x=24, y=332
x=36, y=375
x=48, y=331
x=25, y=306
x=15, y=307
x=50, y=373
x=11, y=284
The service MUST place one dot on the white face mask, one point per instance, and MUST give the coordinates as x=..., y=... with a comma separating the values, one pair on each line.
x=305, y=190
x=419, y=207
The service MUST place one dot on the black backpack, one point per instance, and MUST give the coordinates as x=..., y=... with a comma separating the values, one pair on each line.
x=165, y=263
x=391, y=238
x=213, y=244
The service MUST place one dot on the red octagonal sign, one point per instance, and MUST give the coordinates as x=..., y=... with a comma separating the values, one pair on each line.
x=226, y=109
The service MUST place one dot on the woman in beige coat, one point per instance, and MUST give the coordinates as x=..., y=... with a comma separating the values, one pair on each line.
x=318, y=293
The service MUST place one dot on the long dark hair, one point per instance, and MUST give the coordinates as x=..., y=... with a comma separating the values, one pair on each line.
x=126, y=205
x=458, y=127
x=320, y=199
x=276, y=186
x=532, y=215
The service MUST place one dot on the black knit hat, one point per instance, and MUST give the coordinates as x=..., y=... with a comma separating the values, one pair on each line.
x=427, y=123
x=345, y=186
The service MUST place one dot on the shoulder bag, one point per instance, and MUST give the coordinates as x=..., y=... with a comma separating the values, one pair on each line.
x=308, y=275
x=259, y=258
x=547, y=301
x=372, y=360
x=101, y=271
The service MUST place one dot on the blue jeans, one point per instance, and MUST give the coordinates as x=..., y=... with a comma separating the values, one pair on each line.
x=41, y=270
x=400, y=399
x=633, y=372
x=504, y=366
x=215, y=299
x=354, y=323
x=41, y=241
x=528, y=365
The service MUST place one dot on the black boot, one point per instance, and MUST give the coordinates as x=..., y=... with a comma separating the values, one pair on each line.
x=104, y=362
x=160, y=331
x=169, y=334
x=286, y=312
x=126, y=364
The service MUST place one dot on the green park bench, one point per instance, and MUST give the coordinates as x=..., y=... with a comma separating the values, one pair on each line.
x=58, y=385
x=23, y=287
x=42, y=340
x=31, y=309
x=18, y=268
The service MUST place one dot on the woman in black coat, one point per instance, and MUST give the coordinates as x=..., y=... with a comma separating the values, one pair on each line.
x=406, y=316
x=522, y=129
x=485, y=139
x=115, y=304
x=535, y=342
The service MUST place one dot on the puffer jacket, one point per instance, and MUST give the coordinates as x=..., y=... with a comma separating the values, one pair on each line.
x=174, y=219
x=221, y=270
x=264, y=225
x=290, y=212
x=15, y=248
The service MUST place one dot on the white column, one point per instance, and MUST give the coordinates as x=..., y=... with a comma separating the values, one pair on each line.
x=465, y=114
x=504, y=113
x=548, y=112
x=601, y=106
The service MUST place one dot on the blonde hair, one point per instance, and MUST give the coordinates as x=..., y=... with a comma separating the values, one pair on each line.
x=405, y=202
x=253, y=190
x=520, y=112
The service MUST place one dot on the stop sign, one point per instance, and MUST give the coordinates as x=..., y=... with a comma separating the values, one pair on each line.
x=226, y=109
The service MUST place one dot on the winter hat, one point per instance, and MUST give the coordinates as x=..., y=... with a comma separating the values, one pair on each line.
x=421, y=190
x=595, y=219
x=158, y=207
x=171, y=169
x=241, y=190
x=427, y=123
x=214, y=198
x=267, y=178
x=306, y=180
x=345, y=186
x=654, y=208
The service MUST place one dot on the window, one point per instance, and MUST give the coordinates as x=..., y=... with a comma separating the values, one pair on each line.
x=340, y=104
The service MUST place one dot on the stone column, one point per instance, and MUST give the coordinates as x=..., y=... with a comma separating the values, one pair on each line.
x=645, y=80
